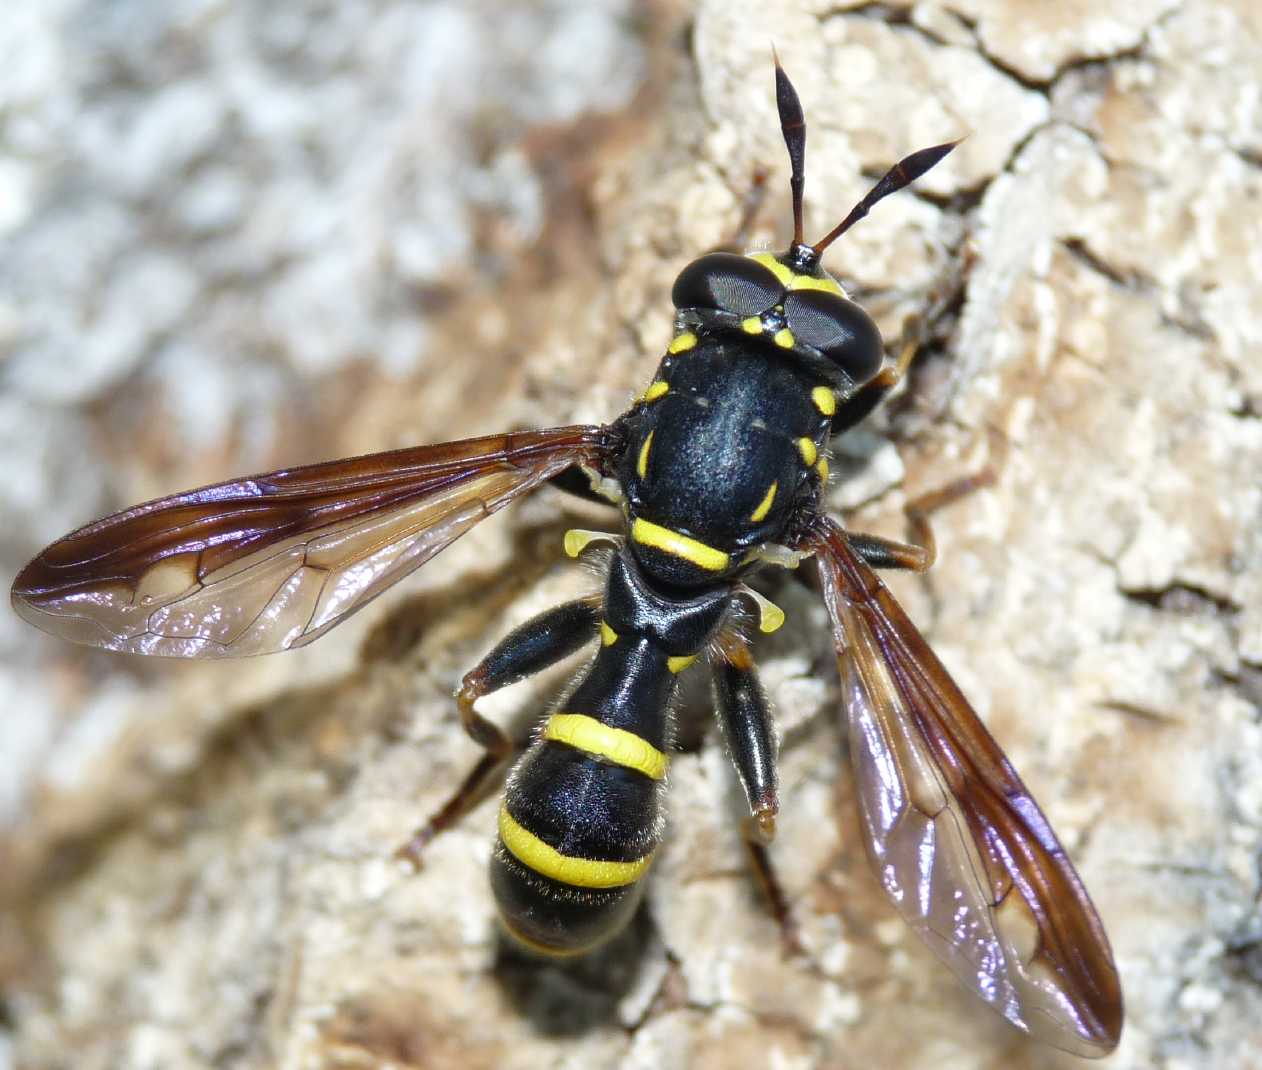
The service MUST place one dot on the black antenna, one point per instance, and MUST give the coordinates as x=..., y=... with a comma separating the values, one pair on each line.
x=903, y=173
x=793, y=126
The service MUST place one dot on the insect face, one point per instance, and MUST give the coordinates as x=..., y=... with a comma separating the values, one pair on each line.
x=805, y=313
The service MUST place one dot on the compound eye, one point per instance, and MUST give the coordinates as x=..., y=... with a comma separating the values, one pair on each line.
x=728, y=283
x=838, y=328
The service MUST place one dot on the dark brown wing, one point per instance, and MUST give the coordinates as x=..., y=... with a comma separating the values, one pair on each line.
x=274, y=561
x=958, y=844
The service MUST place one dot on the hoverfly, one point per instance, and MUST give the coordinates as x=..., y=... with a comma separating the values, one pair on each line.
x=718, y=469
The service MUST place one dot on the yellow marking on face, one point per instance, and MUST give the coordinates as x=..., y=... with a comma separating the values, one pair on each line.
x=615, y=745
x=682, y=342
x=642, y=463
x=775, y=267
x=680, y=663
x=607, y=635
x=806, y=446
x=809, y=282
x=825, y=399
x=783, y=338
x=679, y=545
x=764, y=506
x=752, y=325
x=580, y=872
x=655, y=390
x=790, y=281
x=822, y=469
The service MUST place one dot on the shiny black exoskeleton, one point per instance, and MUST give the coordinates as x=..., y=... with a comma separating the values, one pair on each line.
x=722, y=466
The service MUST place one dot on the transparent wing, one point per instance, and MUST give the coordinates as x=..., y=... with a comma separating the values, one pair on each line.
x=960, y=847
x=274, y=561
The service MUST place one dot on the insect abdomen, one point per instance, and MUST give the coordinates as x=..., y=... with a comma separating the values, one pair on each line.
x=581, y=815
x=577, y=831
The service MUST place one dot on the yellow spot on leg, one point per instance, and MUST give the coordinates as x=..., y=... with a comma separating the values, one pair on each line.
x=548, y=861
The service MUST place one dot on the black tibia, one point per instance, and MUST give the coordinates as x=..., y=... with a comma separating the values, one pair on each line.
x=746, y=720
x=540, y=642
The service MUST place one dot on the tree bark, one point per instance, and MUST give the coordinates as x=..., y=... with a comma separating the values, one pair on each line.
x=249, y=240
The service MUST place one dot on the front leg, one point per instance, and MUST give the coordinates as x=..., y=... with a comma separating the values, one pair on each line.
x=919, y=554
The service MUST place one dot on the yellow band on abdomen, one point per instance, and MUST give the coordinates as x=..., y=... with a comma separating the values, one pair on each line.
x=616, y=745
x=549, y=862
x=679, y=545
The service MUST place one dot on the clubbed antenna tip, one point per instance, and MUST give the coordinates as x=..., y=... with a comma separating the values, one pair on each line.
x=793, y=126
x=902, y=174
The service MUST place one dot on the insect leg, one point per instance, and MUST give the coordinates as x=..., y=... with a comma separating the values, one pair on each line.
x=755, y=196
x=859, y=406
x=919, y=554
x=577, y=482
x=915, y=335
x=540, y=642
x=746, y=719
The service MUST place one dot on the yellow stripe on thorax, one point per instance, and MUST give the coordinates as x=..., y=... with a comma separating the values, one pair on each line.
x=679, y=545
x=531, y=851
x=764, y=506
x=615, y=745
x=642, y=462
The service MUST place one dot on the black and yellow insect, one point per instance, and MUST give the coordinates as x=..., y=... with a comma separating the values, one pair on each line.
x=718, y=470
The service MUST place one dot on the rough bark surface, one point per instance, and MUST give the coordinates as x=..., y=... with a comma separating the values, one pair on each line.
x=233, y=237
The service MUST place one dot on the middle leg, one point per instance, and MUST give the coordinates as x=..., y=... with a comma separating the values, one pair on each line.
x=747, y=724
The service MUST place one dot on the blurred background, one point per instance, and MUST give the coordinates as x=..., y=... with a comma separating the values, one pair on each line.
x=236, y=236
